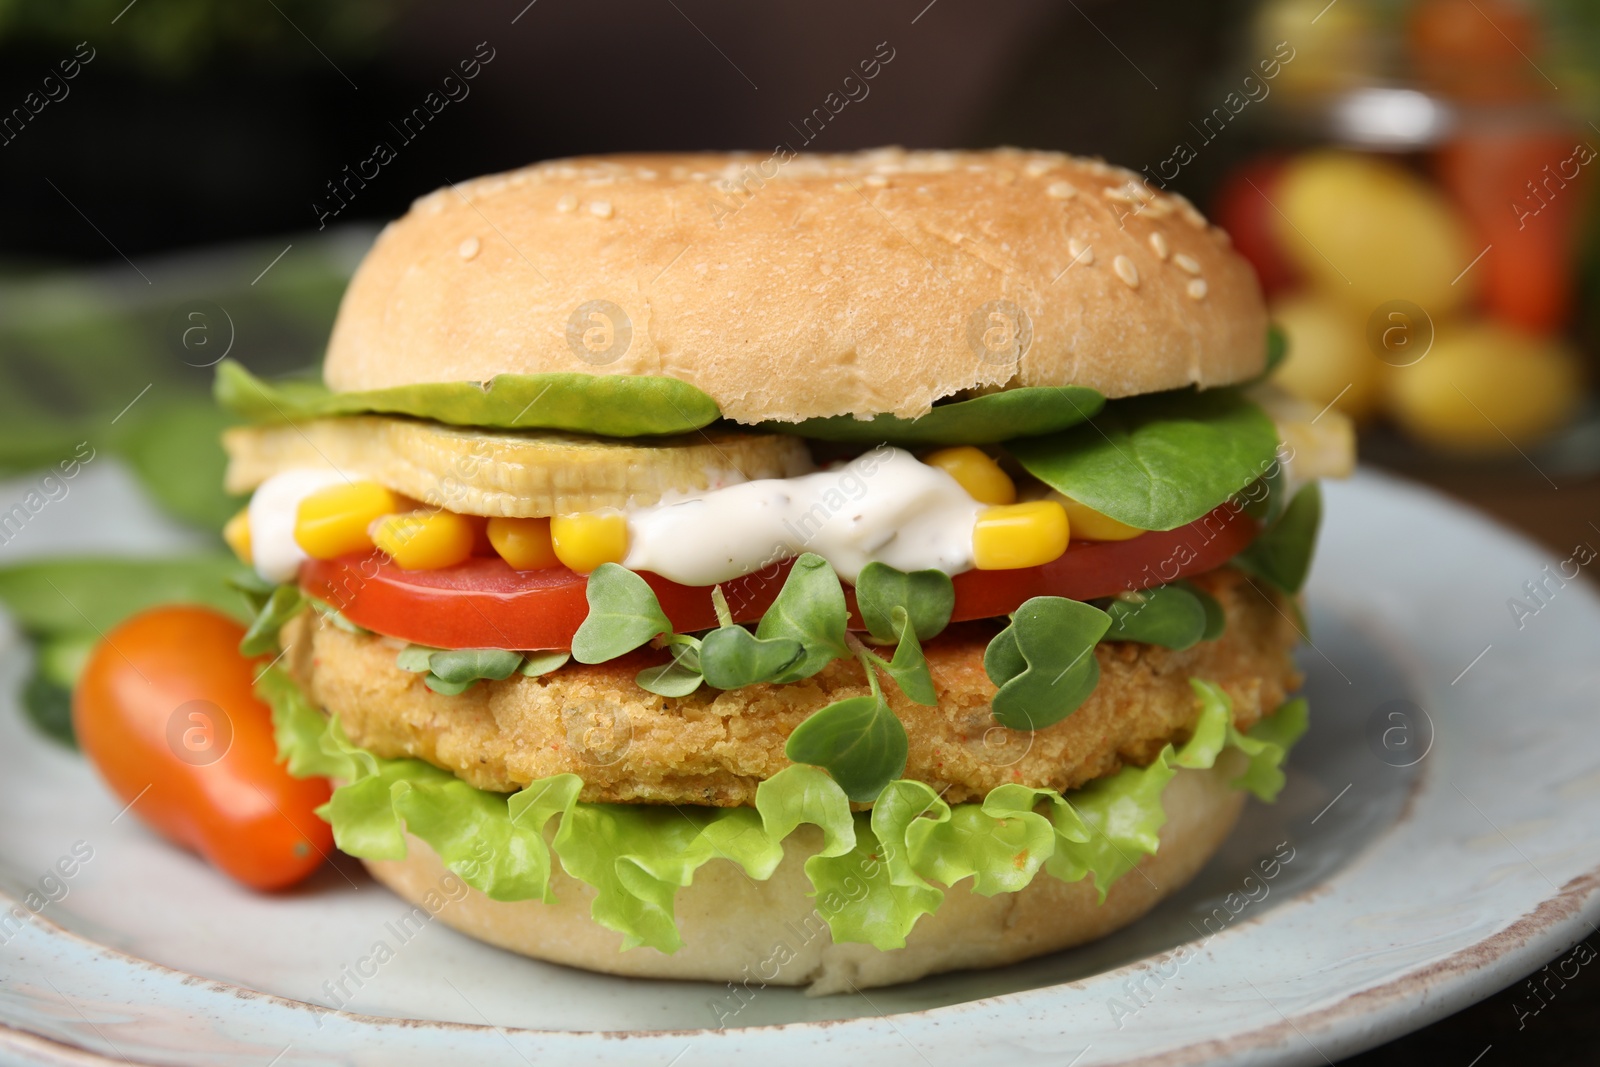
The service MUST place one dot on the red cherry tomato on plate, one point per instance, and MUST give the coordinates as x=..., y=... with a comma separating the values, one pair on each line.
x=166, y=711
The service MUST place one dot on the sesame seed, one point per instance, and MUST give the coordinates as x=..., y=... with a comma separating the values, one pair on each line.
x=1080, y=252
x=1187, y=262
x=1061, y=190
x=1129, y=192
x=567, y=203
x=1126, y=271
x=1038, y=168
x=469, y=248
x=1158, y=245
x=1196, y=289
x=877, y=181
x=600, y=209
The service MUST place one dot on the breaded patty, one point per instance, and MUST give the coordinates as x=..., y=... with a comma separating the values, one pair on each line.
x=715, y=747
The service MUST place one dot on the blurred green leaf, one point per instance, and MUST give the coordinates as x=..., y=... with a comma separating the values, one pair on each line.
x=85, y=597
x=171, y=38
x=177, y=453
x=48, y=705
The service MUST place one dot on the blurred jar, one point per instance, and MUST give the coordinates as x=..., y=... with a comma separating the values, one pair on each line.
x=1429, y=188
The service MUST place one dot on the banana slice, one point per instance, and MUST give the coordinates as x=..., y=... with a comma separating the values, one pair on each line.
x=1322, y=444
x=478, y=472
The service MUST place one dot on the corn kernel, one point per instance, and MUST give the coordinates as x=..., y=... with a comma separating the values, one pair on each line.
x=1091, y=525
x=237, y=534
x=585, y=541
x=425, y=540
x=1010, y=536
x=978, y=474
x=333, y=522
x=523, y=543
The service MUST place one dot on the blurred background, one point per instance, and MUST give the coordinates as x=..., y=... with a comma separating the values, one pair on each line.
x=1413, y=180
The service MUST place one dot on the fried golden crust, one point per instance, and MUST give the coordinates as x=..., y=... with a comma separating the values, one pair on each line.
x=715, y=747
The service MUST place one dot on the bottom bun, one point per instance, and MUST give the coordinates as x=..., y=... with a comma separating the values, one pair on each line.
x=754, y=933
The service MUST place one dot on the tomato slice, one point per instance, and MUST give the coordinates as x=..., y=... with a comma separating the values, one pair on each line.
x=483, y=603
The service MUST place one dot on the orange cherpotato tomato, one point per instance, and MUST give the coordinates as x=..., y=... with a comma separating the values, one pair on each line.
x=167, y=713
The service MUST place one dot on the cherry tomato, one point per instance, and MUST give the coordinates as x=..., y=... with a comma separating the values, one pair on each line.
x=1477, y=50
x=1524, y=192
x=483, y=603
x=166, y=711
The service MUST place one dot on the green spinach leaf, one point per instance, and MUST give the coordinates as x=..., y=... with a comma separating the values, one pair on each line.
x=473, y=664
x=732, y=657
x=1281, y=554
x=535, y=664
x=623, y=614
x=415, y=658
x=1216, y=618
x=282, y=604
x=679, y=676
x=981, y=420
x=610, y=405
x=1168, y=615
x=446, y=688
x=1002, y=660
x=928, y=597
x=454, y=671
x=909, y=668
x=810, y=609
x=1157, y=462
x=1055, y=638
x=857, y=740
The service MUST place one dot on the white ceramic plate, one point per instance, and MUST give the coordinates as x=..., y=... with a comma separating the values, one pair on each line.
x=1413, y=890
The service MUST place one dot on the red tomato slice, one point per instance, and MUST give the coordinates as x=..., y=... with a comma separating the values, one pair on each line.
x=483, y=603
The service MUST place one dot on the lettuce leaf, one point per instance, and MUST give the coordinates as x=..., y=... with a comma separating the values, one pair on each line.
x=875, y=876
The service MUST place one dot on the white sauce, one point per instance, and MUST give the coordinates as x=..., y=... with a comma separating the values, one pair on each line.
x=884, y=507
x=273, y=550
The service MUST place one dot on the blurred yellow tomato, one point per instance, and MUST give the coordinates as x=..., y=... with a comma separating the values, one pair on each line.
x=1368, y=231
x=1484, y=388
x=1328, y=354
x=1324, y=47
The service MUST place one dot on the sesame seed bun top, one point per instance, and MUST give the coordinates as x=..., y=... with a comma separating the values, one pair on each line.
x=792, y=286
